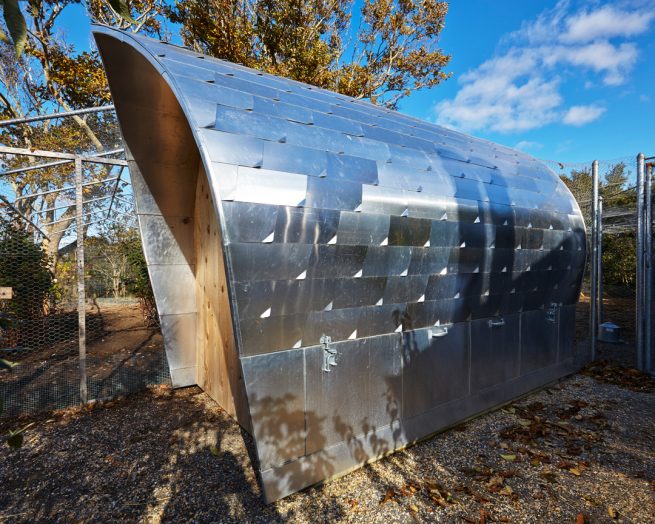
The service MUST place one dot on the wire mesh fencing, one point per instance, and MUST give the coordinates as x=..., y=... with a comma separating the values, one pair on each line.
x=40, y=227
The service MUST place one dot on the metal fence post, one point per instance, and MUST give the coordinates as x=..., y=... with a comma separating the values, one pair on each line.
x=600, y=263
x=648, y=267
x=594, y=258
x=81, y=297
x=640, y=292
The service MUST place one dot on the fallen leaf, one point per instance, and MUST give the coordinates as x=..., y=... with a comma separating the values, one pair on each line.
x=509, y=457
x=388, y=496
x=506, y=491
x=480, y=498
x=213, y=450
x=580, y=519
x=414, y=508
x=575, y=471
x=550, y=477
x=612, y=513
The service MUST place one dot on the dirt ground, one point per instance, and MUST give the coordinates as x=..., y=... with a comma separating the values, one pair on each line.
x=123, y=355
x=579, y=451
x=621, y=311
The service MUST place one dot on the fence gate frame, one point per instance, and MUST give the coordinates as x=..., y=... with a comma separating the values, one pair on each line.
x=644, y=346
x=61, y=158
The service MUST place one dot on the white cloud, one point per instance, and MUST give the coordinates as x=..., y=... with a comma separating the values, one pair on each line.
x=606, y=22
x=527, y=145
x=501, y=96
x=520, y=88
x=614, y=61
x=581, y=115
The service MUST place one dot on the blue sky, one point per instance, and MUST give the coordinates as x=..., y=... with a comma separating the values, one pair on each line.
x=563, y=80
x=567, y=81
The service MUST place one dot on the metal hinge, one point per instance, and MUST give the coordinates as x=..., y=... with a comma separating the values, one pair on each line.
x=329, y=354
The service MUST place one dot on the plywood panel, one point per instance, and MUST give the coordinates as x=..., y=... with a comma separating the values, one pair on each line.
x=219, y=370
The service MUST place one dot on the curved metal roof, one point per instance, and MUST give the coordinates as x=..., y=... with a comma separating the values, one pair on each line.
x=341, y=218
x=317, y=185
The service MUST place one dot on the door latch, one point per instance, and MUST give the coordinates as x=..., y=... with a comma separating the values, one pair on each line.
x=496, y=322
x=329, y=353
x=551, y=312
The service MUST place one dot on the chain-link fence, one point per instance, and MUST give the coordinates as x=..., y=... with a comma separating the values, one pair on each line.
x=121, y=346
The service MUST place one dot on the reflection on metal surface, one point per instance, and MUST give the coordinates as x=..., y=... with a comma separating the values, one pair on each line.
x=386, y=277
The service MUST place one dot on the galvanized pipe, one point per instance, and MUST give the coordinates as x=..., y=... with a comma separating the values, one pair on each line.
x=39, y=118
x=640, y=295
x=27, y=219
x=81, y=297
x=96, y=159
x=600, y=262
x=113, y=195
x=648, y=271
x=35, y=167
x=55, y=163
x=593, y=327
x=41, y=193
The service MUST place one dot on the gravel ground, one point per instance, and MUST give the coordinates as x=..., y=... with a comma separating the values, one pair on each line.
x=580, y=451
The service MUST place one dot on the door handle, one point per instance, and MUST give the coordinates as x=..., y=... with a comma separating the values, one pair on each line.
x=496, y=322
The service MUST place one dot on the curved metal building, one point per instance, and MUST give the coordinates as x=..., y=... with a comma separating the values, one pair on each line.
x=341, y=278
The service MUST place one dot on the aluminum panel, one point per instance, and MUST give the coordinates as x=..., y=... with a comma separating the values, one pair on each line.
x=336, y=261
x=249, y=222
x=336, y=123
x=179, y=334
x=352, y=169
x=204, y=90
x=294, y=159
x=383, y=200
x=271, y=334
x=270, y=187
x=166, y=240
x=435, y=369
x=276, y=395
x=387, y=261
x=566, y=332
x=363, y=228
x=361, y=394
x=407, y=231
x=238, y=121
x=167, y=280
x=333, y=194
x=539, y=340
x=282, y=110
x=228, y=148
x=251, y=262
x=495, y=351
x=306, y=225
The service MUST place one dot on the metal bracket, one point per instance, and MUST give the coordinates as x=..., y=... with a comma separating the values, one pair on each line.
x=551, y=312
x=329, y=354
x=496, y=322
